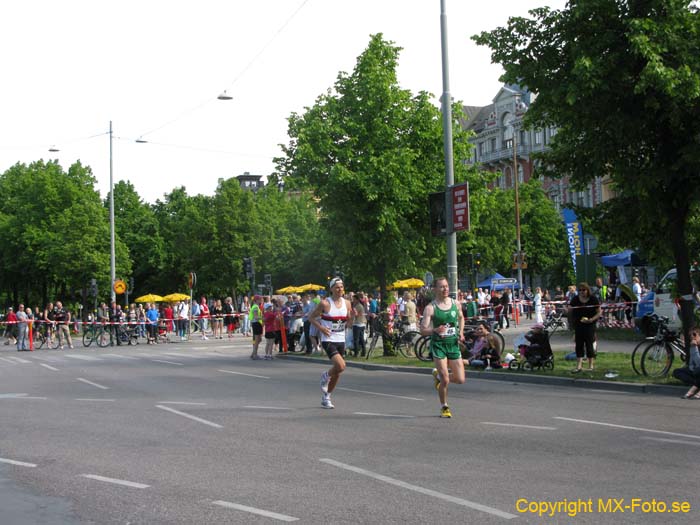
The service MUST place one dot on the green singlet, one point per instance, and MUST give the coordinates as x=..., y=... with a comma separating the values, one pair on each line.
x=446, y=347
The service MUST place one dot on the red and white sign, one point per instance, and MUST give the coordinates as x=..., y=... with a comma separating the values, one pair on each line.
x=460, y=206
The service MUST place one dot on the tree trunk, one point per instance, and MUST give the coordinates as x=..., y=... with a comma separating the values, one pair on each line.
x=677, y=225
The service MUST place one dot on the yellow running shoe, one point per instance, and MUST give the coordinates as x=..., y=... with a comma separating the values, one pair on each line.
x=445, y=412
x=436, y=378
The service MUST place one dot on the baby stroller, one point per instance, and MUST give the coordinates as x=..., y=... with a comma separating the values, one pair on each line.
x=555, y=320
x=535, y=355
x=163, y=336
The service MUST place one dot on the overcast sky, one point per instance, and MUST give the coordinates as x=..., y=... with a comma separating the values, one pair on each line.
x=156, y=67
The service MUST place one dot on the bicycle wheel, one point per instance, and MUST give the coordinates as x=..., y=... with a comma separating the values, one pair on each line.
x=39, y=340
x=423, y=348
x=407, y=343
x=501, y=340
x=372, y=345
x=102, y=338
x=54, y=342
x=88, y=337
x=637, y=356
x=657, y=359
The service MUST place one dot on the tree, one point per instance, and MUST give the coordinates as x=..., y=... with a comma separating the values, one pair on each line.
x=621, y=82
x=370, y=153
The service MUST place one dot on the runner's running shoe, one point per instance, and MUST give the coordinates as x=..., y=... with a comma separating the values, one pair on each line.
x=326, y=401
x=325, y=379
x=436, y=378
x=445, y=412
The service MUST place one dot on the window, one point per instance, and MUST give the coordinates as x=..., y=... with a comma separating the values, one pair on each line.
x=493, y=144
x=481, y=149
x=521, y=174
x=539, y=137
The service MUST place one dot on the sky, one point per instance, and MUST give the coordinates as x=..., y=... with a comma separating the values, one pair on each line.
x=154, y=68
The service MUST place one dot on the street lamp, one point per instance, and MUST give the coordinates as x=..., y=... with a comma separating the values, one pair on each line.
x=519, y=255
x=112, y=258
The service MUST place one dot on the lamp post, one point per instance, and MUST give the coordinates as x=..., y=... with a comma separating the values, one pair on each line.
x=112, y=260
x=451, y=236
x=519, y=256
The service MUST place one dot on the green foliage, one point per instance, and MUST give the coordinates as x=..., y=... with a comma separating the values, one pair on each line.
x=621, y=82
x=371, y=152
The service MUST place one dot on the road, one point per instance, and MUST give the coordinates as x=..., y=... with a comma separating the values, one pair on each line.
x=198, y=433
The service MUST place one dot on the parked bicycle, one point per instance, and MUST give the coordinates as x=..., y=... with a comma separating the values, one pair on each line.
x=659, y=350
x=96, y=332
x=44, y=336
x=403, y=341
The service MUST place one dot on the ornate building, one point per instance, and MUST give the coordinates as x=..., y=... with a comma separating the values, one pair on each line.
x=497, y=125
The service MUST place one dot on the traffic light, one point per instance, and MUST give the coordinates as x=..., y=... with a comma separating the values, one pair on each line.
x=268, y=280
x=248, y=266
x=477, y=260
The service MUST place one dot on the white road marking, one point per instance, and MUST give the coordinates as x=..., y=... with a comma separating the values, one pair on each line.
x=18, y=463
x=49, y=367
x=517, y=426
x=181, y=403
x=12, y=396
x=679, y=441
x=691, y=436
x=122, y=482
x=267, y=408
x=7, y=360
x=253, y=510
x=173, y=354
x=242, y=374
x=193, y=418
x=166, y=362
x=93, y=384
x=18, y=360
x=198, y=348
x=82, y=357
x=379, y=394
x=382, y=415
x=421, y=490
x=93, y=399
x=122, y=356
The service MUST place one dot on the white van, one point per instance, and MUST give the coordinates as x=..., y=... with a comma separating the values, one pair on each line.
x=665, y=303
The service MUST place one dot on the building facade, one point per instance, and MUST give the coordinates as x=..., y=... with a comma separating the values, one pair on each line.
x=498, y=130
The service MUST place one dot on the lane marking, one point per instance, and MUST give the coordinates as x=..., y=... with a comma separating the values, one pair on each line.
x=517, y=426
x=122, y=356
x=242, y=374
x=18, y=360
x=380, y=394
x=93, y=399
x=173, y=354
x=12, y=396
x=91, y=383
x=267, y=408
x=115, y=481
x=421, y=490
x=193, y=418
x=382, y=415
x=679, y=441
x=181, y=403
x=18, y=463
x=49, y=367
x=166, y=362
x=7, y=360
x=628, y=428
x=253, y=510
x=82, y=357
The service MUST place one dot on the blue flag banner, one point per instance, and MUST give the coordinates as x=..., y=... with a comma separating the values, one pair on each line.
x=574, y=234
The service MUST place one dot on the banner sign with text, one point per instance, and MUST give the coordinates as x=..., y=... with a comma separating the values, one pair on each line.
x=574, y=234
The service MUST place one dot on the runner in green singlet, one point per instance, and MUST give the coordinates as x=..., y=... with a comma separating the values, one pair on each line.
x=444, y=321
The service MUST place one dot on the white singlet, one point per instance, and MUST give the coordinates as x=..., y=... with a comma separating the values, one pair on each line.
x=335, y=321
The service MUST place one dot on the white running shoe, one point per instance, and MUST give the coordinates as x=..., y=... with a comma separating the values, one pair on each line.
x=326, y=401
x=325, y=379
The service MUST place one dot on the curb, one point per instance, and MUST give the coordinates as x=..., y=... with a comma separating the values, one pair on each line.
x=515, y=377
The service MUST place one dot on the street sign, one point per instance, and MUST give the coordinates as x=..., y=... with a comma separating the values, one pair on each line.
x=428, y=278
x=119, y=287
x=508, y=280
x=460, y=206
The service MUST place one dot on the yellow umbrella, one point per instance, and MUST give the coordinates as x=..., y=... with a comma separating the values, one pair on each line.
x=289, y=289
x=411, y=283
x=149, y=298
x=175, y=297
x=310, y=286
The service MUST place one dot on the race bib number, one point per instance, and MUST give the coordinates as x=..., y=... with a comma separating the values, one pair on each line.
x=449, y=332
x=338, y=326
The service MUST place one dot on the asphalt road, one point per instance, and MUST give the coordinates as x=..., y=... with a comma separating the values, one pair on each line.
x=198, y=433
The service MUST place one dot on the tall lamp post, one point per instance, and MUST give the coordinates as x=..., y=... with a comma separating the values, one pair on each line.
x=112, y=259
x=451, y=236
x=519, y=256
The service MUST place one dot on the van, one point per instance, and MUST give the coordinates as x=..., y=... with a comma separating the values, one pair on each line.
x=665, y=302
